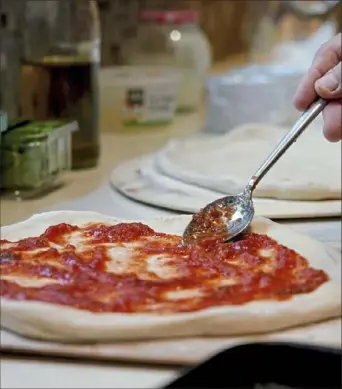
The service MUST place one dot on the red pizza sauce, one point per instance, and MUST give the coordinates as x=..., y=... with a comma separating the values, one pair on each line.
x=219, y=273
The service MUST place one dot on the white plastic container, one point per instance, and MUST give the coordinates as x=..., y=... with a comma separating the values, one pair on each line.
x=133, y=96
x=252, y=94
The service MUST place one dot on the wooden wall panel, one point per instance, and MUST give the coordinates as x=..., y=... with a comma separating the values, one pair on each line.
x=221, y=20
x=227, y=23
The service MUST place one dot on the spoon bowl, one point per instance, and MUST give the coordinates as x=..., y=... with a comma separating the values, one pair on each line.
x=227, y=217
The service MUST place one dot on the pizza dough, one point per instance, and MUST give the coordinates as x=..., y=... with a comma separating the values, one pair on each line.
x=48, y=321
x=309, y=170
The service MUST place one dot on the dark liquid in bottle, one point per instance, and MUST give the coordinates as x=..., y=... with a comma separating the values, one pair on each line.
x=63, y=88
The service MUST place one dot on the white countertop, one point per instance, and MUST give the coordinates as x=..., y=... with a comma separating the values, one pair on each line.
x=32, y=373
x=90, y=190
x=83, y=190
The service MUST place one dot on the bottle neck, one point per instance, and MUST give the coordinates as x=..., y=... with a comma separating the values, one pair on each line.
x=61, y=28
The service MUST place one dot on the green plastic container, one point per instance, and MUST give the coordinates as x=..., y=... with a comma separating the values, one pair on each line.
x=34, y=157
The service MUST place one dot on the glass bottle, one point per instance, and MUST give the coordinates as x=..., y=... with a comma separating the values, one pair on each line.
x=10, y=50
x=59, y=70
x=173, y=39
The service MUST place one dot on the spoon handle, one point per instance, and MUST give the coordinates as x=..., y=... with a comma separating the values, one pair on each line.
x=301, y=124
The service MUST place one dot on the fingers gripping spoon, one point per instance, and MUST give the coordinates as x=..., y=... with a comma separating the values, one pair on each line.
x=231, y=215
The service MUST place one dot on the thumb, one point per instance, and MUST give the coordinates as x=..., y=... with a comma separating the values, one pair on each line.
x=329, y=86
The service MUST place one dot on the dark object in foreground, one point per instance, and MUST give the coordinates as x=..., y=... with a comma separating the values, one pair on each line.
x=267, y=365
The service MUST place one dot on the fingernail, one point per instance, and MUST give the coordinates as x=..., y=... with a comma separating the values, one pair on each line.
x=328, y=82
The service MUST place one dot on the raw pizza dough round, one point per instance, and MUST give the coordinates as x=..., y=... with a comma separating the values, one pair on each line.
x=309, y=170
x=52, y=322
x=140, y=180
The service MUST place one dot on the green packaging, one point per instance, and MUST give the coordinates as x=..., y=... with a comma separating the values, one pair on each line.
x=34, y=156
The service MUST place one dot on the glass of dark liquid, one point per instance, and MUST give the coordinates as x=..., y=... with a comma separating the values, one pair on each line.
x=59, y=70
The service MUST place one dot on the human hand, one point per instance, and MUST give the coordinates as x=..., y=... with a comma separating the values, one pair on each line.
x=324, y=79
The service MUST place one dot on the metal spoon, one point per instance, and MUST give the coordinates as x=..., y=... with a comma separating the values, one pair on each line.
x=231, y=215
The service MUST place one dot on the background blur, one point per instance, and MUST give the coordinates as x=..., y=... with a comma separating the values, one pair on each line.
x=128, y=66
x=226, y=23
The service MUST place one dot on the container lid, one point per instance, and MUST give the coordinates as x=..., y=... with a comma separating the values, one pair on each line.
x=169, y=17
x=258, y=74
x=39, y=131
x=139, y=75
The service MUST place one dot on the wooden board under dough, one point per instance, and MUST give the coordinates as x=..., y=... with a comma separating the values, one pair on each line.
x=127, y=179
x=184, y=351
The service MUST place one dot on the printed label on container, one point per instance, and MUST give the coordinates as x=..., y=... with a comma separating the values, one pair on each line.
x=57, y=152
x=53, y=155
x=148, y=106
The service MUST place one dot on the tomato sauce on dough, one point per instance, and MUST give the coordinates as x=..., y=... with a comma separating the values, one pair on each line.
x=206, y=274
